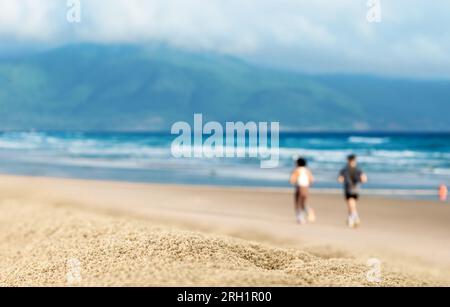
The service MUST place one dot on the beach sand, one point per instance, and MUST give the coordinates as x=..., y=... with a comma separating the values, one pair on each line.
x=59, y=232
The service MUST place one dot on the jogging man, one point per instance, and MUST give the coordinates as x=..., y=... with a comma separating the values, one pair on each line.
x=352, y=177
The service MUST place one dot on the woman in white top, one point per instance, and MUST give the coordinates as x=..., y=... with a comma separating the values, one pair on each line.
x=302, y=179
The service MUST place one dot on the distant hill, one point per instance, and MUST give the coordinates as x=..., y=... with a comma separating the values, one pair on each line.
x=96, y=87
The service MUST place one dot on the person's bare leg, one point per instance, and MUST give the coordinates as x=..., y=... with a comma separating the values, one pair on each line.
x=302, y=202
x=309, y=213
x=351, y=205
x=353, y=216
x=297, y=203
x=299, y=206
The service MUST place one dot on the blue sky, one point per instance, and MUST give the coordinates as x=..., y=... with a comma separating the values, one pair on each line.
x=412, y=39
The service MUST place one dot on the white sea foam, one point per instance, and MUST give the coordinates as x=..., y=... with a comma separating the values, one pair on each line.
x=367, y=140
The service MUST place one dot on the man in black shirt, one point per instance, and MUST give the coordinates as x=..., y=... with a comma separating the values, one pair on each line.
x=351, y=177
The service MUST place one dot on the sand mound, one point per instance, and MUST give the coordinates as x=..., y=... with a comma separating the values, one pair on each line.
x=45, y=245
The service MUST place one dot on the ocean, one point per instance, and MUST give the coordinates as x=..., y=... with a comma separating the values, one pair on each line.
x=398, y=164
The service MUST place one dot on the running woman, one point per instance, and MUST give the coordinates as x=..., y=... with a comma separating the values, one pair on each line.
x=302, y=179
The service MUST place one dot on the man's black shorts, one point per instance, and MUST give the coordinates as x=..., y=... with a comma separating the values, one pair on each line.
x=351, y=195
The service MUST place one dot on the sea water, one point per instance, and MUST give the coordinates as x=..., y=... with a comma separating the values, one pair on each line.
x=410, y=165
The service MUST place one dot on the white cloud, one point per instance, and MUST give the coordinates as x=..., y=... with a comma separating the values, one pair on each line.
x=412, y=39
x=27, y=20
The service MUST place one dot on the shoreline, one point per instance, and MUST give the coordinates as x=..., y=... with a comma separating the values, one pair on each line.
x=411, y=194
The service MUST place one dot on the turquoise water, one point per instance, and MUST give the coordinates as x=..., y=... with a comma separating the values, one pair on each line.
x=392, y=161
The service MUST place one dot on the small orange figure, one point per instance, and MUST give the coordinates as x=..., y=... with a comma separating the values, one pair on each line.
x=443, y=192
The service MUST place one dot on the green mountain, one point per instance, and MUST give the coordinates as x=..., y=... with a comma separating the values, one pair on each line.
x=110, y=88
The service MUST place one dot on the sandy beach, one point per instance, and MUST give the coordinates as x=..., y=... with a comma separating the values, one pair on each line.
x=128, y=234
